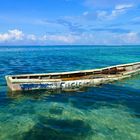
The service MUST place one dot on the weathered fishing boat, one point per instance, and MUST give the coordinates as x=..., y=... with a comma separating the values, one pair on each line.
x=71, y=80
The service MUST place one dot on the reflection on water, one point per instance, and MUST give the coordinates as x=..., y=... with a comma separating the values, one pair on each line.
x=107, y=112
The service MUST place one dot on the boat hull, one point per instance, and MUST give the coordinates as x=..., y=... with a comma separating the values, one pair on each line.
x=30, y=82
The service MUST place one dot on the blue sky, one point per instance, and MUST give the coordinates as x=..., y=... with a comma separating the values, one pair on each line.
x=67, y=22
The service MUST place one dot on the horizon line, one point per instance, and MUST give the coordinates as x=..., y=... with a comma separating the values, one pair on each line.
x=71, y=45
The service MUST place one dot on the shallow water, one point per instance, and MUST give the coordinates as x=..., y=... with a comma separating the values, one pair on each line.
x=107, y=112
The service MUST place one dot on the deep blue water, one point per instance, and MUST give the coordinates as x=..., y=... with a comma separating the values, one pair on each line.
x=108, y=112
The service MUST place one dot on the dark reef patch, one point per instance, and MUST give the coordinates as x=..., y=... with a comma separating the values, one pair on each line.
x=53, y=129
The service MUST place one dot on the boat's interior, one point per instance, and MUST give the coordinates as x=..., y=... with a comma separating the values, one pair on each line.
x=82, y=74
x=75, y=75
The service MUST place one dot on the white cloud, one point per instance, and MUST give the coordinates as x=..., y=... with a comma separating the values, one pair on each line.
x=106, y=38
x=102, y=14
x=12, y=35
x=118, y=10
x=31, y=37
x=16, y=37
x=131, y=37
x=60, y=38
x=123, y=6
x=107, y=4
x=121, y=39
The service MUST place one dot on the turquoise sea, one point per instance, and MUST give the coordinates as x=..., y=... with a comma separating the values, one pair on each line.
x=107, y=112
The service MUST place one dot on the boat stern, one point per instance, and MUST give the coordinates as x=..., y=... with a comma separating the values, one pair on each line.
x=12, y=86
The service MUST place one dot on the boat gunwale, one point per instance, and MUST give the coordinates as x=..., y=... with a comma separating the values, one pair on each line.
x=10, y=77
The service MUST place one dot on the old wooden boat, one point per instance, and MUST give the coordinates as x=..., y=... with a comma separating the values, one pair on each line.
x=71, y=80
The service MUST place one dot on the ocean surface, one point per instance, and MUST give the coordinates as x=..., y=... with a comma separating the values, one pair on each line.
x=107, y=112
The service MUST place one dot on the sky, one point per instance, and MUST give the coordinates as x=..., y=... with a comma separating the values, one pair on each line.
x=69, y=22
